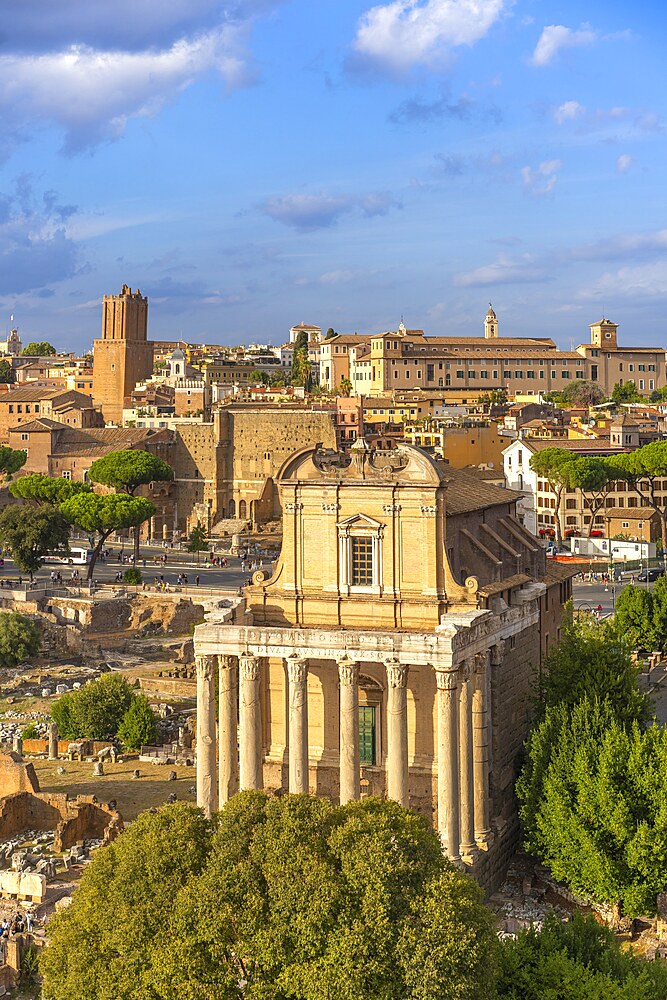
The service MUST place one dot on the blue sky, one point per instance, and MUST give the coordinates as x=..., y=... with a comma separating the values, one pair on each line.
x=252, y=164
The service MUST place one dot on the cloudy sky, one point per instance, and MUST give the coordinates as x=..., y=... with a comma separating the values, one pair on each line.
x=256, y=163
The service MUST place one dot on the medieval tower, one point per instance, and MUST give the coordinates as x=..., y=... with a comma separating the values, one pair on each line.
x=123, y=356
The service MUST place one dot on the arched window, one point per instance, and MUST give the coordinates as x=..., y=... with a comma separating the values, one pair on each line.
x=243, y=509
x=232, y=508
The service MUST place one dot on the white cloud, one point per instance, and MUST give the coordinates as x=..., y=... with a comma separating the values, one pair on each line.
x=542, y=179
x=504, y=271
x=646, y=281
x=567, y=111
x=556, y=37
x=307, y=212
x=624, y=162
x=403, y=33
x=91, y=88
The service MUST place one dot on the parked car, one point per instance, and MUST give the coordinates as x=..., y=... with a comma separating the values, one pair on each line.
x=650, y=575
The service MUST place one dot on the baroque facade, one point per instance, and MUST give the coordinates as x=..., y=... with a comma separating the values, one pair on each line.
x=391, y=652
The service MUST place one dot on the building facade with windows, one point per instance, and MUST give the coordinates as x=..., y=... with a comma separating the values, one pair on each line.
x=474, y=366
x=391, y=651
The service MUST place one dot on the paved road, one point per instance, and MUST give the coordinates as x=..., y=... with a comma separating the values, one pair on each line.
x=229, y=578
x=587, y=596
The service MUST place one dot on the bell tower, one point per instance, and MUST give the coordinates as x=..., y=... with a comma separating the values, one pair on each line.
x=603, y=333
x=490, y=324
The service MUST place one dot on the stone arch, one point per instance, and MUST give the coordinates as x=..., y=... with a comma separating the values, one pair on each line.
x=243, y=509
x=232, y=508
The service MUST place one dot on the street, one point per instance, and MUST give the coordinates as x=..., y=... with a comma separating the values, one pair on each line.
x=178, y=562
x=587, y=596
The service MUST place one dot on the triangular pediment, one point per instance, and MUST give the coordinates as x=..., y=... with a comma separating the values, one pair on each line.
x=360, y=521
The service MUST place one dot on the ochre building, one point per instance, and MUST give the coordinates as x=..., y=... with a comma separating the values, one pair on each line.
x=391, y=652
x=123, y=356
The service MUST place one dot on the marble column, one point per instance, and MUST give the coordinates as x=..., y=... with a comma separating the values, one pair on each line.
x=468, y=850
x=53, y=741
x=480, y=743
x=250, y=732
x=206, y=783
x=348, y=674
x=448, y=761
x=297, y=676
x=228, y=742
x=397, y=732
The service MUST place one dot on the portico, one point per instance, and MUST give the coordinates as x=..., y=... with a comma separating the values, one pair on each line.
x=390, y=652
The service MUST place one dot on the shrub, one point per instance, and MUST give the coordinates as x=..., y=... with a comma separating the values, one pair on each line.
x=95, y=711
x=30, y=732
x=19, y=638
x=132, y=576
x=138, y=727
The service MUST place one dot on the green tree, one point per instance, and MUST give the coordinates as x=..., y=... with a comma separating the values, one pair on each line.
x=593, y=804
x=283, y=898
x=125, y=471
x=100, y=515
x=300, y=361
x=345, y=386
x=593, y=661
x=625, y=393
x=132, y=576
x=553, y=464
x=197, y=542
x=96, y=710
x=39, y=349
x=31, y=533
x=635, y=618
x=593, y=477
x=257, y=376
x=124, y=900
x=645, y=468
x=19, y=638
x=575, y=960
x=138, y=726
x=7, y=375
x=11, y=460
x=581, y=392
x=659, y=596
x=42, y=489
x=330, y=333
x=659, y=395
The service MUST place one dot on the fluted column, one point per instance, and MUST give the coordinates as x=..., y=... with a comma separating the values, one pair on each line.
x=448, y=761
x=480, y=743
x=397, y=732
x=297, y=675
x=348, y=674
x=207, y=798
x=466, y=765
x=228, y=769
x=250, y=733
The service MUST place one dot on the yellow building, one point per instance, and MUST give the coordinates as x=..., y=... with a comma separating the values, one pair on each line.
x=391, y=652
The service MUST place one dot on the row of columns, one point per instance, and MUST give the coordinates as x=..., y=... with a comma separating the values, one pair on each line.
x=462, y=739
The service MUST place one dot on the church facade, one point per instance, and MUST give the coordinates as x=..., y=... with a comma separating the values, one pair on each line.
x=392, y=651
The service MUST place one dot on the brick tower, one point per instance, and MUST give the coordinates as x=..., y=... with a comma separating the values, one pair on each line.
x=123, y=356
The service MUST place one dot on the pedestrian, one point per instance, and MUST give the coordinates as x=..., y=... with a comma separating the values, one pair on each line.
x=196, y=581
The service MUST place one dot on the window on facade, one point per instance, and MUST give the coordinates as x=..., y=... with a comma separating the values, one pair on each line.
x=507, y=373
x=66, y=474
x=564, y=374
x=460, y=374
x=24, y=437
x=367, y=738
x=362, y=561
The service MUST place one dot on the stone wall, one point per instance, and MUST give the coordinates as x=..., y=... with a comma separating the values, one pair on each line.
x=15, y=776
x=26, y=811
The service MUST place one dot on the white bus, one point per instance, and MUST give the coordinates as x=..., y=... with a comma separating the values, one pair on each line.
x=77, y=557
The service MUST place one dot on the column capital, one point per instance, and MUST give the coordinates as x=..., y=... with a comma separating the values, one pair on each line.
x=480, y=662
x=348, y=671
x=206, y=665
x=446, y=680
x=250, y=666
x=297, y=668
x=226, y=662
x=397, y=673
x=466, y=668
x=497, y=652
